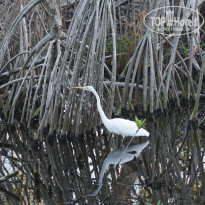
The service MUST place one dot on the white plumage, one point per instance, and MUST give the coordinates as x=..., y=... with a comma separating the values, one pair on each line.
x=125, y=128
x=117, y=126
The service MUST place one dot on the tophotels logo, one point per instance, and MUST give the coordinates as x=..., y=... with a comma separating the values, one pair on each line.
x=173, y=20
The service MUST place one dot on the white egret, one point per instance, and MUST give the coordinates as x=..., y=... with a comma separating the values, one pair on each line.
x=119, y=126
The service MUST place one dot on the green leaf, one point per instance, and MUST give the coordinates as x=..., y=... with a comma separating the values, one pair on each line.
x=136, y=119
x=131, y=105
x=144, y=122
x=5, y=109
x=159, y=203
x=36, y=112
x=140, y=123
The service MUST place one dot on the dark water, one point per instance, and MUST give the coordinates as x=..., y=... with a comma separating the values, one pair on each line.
x=66, y=170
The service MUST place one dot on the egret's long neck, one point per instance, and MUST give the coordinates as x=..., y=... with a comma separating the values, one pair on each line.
x=102, y=114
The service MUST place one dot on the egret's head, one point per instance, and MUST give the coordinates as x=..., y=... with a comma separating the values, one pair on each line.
x=89, y=88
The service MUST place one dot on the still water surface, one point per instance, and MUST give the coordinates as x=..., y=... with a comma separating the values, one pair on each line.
x=168, y=167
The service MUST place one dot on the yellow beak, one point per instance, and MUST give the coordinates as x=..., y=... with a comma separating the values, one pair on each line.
x=79, y=87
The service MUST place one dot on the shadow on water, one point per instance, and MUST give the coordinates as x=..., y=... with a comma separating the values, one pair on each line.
x=67, y=170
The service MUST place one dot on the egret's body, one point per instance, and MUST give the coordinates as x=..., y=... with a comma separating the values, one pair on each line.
x=125, y=128
x=119, y=126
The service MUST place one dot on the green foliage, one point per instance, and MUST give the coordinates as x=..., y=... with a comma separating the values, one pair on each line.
x=201, y=44
x=194, y=112
x=125, y=47
x=124, y=44
x=5, y=109
x=109, y=46
x=36, y=112
x=185, y=50
x=159, y=203
x=140, y=124
x=164, y=104
x=131, y=105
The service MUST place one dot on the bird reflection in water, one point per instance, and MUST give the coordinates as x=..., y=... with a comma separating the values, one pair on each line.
x=119, y=156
